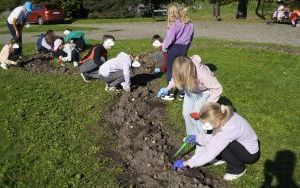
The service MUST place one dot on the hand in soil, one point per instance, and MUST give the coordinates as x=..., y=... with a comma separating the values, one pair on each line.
x=178, y=164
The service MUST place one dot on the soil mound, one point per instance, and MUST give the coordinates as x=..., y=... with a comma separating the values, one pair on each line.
x=144, y=147
x=40, y=63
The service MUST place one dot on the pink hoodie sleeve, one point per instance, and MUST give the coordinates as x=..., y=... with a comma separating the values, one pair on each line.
x=171, y=84
x=212, y=84
x=170, y=38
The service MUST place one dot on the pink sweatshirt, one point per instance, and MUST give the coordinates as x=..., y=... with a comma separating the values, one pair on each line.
x=206, y=81
x=236, y=128
x=4, y=54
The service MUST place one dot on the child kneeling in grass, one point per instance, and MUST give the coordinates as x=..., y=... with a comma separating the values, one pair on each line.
x=96, y=57
x=66, y=52
x=233, y=140
x=199, y=84
x=8, y=55
x=45, y=42
x=76, y=37
x=116, y=72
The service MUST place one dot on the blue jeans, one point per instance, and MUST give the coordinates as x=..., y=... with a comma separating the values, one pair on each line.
x=175, y=51
x=193, y=102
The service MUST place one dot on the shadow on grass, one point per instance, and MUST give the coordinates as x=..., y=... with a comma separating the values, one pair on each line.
x=211, y=66
x=282, y=168
x=142, y=79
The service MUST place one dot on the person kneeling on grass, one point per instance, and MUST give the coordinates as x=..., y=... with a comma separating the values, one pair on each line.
x=66, y=52
x=8, y=55
x=96, y=57
x=200, y=86
x=233, y=140
x=45, y=42
x=116, y=72
x=76, y=37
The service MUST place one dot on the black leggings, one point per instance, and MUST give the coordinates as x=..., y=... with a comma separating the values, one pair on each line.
x=236, y=156
x=14, y=36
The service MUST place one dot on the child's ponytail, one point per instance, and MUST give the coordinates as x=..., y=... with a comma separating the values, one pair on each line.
x=226, y=113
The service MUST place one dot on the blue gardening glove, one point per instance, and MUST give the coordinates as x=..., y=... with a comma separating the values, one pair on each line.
x=157, y=70
x=191, y=139
x=162, y=91
x=178, y=164
x=164, y=50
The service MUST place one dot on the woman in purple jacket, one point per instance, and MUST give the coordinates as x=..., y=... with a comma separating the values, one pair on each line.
x=233, y=140
x=178, y=40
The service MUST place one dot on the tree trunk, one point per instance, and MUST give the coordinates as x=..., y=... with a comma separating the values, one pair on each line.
x=242, y=9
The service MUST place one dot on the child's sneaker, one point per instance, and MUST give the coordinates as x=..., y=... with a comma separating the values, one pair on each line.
x=3, y=66
x=110, y=88
x=217, y=162
x=180, y=97
x=75, y=64
x=85, y=79
x=169, y=97
x=230, y=177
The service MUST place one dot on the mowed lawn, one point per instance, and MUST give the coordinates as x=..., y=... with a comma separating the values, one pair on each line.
x=53, y=132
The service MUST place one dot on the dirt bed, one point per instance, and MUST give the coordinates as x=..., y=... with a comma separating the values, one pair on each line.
x=144, y=147
x=41, y=63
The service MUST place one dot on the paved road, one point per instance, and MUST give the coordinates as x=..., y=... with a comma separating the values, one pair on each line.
x=251, y=32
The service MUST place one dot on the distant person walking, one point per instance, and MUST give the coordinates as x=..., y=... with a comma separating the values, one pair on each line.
x=16, y=22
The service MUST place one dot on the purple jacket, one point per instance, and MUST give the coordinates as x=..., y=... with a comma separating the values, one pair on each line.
x=236, y=128
x=179, y=33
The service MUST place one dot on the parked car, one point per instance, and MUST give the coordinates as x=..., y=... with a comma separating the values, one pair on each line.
x=42, y=13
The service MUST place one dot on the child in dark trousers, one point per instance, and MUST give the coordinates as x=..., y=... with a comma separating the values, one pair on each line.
x=178, y=40
x=66, y=52
x=96, y=57
x=45, y=42
x=159, y=56
x=233, y=141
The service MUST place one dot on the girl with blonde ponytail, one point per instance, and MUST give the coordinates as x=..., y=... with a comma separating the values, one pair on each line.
x=233, y=141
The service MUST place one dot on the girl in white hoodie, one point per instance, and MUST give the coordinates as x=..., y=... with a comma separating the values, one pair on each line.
x=7, y=56
x=66, y=52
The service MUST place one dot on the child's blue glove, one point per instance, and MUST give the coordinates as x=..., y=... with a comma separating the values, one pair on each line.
x=162, y=91
x=156, y=70
x=178, y=164
x=191, y=139
x=164, y=50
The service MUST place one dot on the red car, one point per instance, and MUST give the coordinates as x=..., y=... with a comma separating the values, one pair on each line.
x=42, y=13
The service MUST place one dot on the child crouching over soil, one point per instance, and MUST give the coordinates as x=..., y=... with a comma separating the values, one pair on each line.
x=200, y=86
x=233, y=140
x=66, y=52
x=76, y=37
x=116, y=72
x=8, y=55
x=96, y=57
x=159, y=56
x=45, y=42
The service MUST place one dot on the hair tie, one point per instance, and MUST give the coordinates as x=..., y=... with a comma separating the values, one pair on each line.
x=223, y=108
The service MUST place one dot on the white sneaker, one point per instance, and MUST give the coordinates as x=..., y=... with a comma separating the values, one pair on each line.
x=3, y=66
x=109, y=88
x=218, y=162
x=75, y=64
x=169, y=97
x=84, y=78
x=230, y=177
x=14, y=63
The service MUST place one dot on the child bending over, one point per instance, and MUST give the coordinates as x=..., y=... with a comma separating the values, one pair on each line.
x=9, y=54
x=66, y=52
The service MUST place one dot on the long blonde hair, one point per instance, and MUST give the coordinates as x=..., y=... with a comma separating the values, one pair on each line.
x=184, y=74
x=213, y=112
x=184, y=15
x=173, y=13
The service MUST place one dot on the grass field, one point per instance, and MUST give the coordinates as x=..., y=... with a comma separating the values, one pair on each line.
x=53, y=131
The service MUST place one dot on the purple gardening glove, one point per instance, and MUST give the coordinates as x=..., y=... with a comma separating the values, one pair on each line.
x=178, y=164
x=191, y=139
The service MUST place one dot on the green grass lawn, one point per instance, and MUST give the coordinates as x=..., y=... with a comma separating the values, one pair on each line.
x=264, y=88
x=53, y=131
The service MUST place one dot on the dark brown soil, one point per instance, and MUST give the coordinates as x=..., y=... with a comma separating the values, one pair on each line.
x=41, y=63
x=144, y=147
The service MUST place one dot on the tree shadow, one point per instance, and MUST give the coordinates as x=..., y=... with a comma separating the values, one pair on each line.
x=282, y=168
